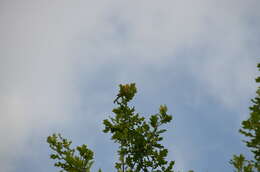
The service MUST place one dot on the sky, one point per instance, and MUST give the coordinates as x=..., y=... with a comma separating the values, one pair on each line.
x=61, y=62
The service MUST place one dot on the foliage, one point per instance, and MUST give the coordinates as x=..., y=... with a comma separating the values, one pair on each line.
x=251, y=130
x=79, y=159
x=140, y=148
x=138, y=139
x=241, y=164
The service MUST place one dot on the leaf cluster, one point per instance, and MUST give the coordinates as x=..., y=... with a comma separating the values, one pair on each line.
x=79, y=159
x=251, y=130
x=241, y=164
x=139, y=140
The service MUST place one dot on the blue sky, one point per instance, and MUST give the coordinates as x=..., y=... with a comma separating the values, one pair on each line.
x=61, y=63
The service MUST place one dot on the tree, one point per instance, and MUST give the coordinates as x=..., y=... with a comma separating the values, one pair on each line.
x=251, y=130
x=79, y=159
x=139, y=140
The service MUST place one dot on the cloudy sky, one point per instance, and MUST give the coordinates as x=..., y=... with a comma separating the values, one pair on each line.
x=61, y=62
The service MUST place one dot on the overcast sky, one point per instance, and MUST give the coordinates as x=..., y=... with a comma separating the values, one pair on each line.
x=61, y=62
